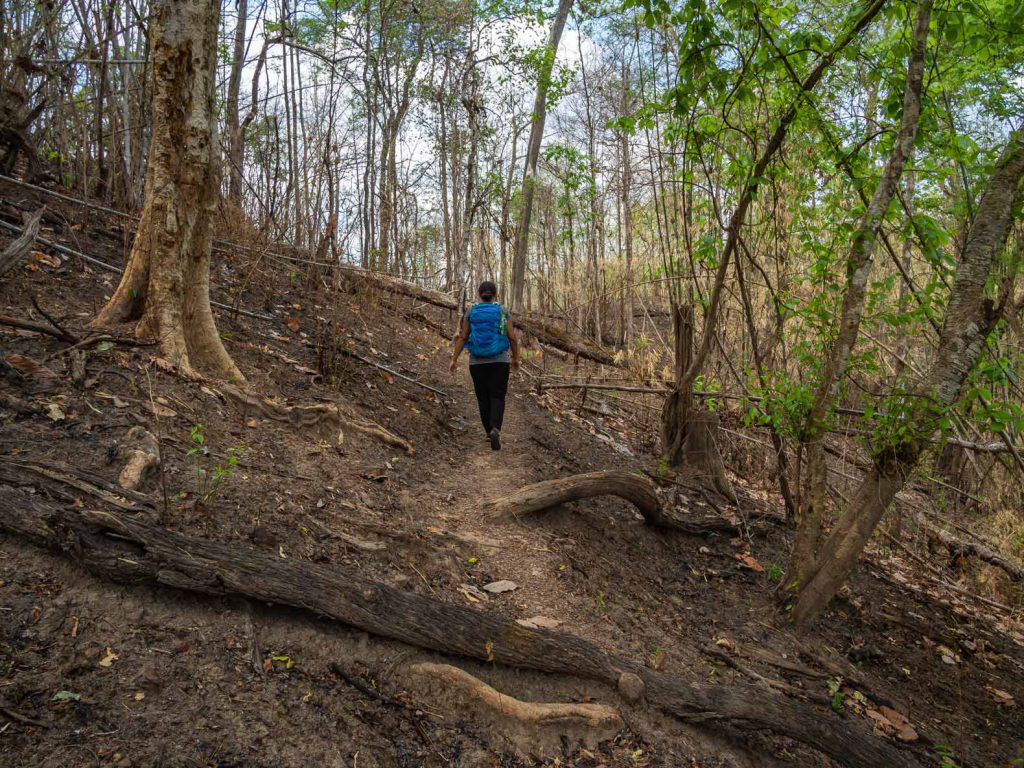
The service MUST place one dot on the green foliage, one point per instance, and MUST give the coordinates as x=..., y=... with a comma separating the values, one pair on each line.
x=209, y=477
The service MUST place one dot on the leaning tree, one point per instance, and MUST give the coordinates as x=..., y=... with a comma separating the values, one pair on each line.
x=166, y=284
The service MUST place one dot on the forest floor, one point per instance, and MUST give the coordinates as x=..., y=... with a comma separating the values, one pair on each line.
x=95, y=673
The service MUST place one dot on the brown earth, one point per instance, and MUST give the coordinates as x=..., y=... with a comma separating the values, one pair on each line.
x=169, y=678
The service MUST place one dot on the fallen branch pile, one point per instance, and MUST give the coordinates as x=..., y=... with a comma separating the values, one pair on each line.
x=129, y=550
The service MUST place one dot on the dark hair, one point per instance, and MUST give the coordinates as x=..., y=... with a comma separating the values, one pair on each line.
x=487, y=290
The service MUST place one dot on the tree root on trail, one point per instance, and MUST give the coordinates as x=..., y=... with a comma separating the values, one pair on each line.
x=131, y=550
x=634, y=488
x=550, y=493
x=599, y=716
x=332, y=415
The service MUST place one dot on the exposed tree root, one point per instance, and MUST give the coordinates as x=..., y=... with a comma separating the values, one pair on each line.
x=131, y=550
x=550, y=493
x=332, y=415
x=633, y=488
x=600, y=716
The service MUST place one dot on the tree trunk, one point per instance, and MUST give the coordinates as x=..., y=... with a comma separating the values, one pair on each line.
x=166, y=284
x=533, y=155
x=858, y=268
x=235, y=144
x=970, y=317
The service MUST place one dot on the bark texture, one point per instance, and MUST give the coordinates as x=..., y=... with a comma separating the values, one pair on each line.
x=166, y=284
x=129, y=550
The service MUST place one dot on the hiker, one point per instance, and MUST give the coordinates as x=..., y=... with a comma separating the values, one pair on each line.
x=488, y=335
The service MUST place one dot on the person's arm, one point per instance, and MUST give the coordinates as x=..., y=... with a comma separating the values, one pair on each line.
x=513, y=343
x=460, y=342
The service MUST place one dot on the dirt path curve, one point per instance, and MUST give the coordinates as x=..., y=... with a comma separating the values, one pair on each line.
x=535, y=557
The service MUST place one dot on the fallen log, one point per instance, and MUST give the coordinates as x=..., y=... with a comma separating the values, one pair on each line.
x=550, y=493
x=959, y=546
x=545, y=332
x=130, y=550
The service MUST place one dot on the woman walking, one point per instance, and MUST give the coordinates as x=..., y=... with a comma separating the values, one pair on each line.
x=488, y=335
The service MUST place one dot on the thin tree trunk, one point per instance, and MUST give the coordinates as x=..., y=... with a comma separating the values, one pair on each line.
x=533, y=156
x=970, y=318
x=858, y=269
x=231, y=116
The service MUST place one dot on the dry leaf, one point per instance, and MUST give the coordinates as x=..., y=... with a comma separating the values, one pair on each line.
x=54, y=412
x=161, y=411
x=1002, y=697
x=47, y=259
x=749, y=561
x=26, y=366
x=472, y=593
x=109, y=659
x=292, y=323
x=497, y=587
x=902, y=728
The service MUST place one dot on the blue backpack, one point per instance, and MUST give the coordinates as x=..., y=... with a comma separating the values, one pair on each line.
x=487, y=329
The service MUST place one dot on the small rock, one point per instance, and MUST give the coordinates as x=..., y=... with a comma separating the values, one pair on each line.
x=497, y=587
x=631, y=687
x=704, y=551
x=539, y=622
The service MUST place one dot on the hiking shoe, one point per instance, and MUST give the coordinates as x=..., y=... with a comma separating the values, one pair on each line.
x=495, y=437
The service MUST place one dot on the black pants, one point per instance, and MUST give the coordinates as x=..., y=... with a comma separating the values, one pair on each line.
x=490, y=380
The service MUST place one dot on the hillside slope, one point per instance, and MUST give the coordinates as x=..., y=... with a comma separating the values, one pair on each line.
x=163, y=677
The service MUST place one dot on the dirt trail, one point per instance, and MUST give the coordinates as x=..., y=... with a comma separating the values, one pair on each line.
x=538, y=555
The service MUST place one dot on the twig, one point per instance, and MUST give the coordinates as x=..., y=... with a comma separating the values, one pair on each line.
x=20, y=718
x=362, y=687
x=67, y=335
x=393, y=372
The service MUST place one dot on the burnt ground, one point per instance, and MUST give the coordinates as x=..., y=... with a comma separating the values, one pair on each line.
x=162, y=677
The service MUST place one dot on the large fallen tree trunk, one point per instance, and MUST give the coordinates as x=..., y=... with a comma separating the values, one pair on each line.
x=133, y=551
x=545, y=332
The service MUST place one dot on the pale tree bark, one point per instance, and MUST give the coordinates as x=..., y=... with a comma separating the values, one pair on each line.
x=234, y=128
x=810, y=518
x=533, y=156
x=166, y=284
x=970, y=318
